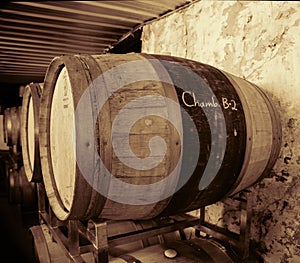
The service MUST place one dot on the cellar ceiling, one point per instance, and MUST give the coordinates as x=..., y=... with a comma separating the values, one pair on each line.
x=33, y=33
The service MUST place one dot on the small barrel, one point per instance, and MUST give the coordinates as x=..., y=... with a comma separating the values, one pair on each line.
x=30, y=131
x=185, y=251
x=134, y=136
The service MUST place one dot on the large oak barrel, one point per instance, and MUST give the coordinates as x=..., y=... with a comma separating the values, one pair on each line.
x=30, y=131
x=134, y=136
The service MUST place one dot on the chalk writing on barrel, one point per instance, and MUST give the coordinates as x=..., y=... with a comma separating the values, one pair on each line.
x=196, y=102
x=189, y=99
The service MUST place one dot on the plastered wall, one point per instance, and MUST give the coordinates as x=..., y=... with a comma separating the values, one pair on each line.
x=259, y=41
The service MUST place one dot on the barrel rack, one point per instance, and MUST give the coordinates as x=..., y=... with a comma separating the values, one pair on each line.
x=76, y=238
x=239, y=242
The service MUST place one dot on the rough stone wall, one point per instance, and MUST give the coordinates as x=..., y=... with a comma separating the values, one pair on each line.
x=259, y=41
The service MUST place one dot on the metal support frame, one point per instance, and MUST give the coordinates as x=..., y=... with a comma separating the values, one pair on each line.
x=94, y=232
x=240, y=242
x=97, y=241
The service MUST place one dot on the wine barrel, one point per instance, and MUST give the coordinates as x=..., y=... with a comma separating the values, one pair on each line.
x=134, y=136
x=7, y=127
x=30, y=131
x=3, y=145
x=12, y=126
x=115, y=228
x=196, y=250
x=20, y=190
x=16, y=126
